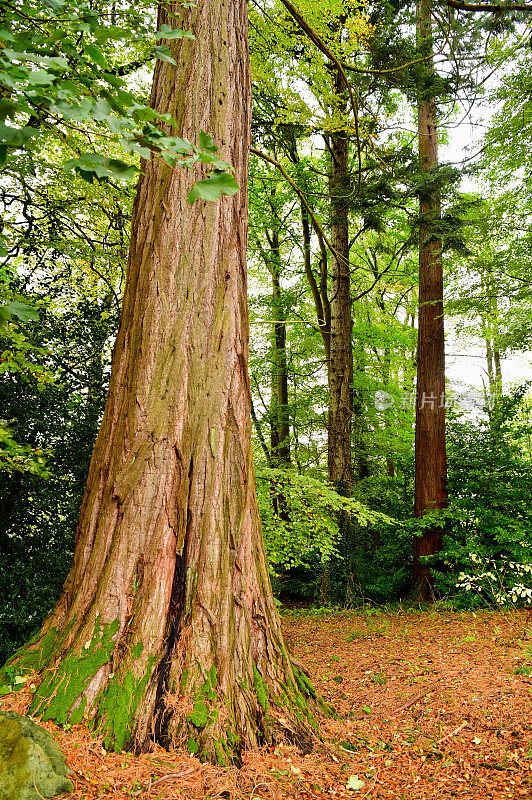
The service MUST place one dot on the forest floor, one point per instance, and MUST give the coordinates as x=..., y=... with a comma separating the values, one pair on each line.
x=431, y=704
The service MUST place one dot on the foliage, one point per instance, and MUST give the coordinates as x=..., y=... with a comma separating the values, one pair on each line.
x=309, y=530
x=75, y=125
x=489, y=520
x=498, y=581
x=54, y=425
x=61, y=67
x=20, y=458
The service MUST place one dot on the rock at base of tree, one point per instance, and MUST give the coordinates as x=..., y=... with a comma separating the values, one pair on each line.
x=31, y=765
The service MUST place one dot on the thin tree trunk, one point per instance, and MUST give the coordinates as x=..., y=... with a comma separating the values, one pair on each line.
x=361, y=463
x=388, y=413
x=494, y=314
x=489, y=363
x=280, y=442
x=486, y=321
x=279, y=411
x=341, y=355
x=430, y=456
x=167, y=629
x=340, y=365
x=498, y=367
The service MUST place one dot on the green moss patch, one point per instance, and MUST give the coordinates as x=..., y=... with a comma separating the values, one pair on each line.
x=118, y=706
x=60, y=689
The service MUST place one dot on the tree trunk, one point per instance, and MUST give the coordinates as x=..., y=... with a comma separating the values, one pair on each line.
x=430, y=449
x=337, y=583
x=491, y=324
x=279, y=411
x=280, y=418
x=361, y=467
x=166, y=629
x=340, y=371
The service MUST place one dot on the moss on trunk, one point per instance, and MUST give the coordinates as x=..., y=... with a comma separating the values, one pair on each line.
x=167, y=629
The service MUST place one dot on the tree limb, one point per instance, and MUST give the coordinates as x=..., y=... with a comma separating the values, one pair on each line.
x=493, y=8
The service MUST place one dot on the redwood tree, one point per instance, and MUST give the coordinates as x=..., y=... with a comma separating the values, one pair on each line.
x=430, y=457
x=166, y=629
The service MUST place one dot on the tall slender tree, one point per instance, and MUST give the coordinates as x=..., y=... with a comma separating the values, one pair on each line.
x=340, y=373
x=166, y=629
x=430, y=448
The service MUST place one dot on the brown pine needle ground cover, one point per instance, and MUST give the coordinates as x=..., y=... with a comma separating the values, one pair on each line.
x=432, y=705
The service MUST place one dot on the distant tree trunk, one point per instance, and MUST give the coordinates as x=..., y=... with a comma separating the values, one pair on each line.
x=430, y=457
x=280, y=417
x=359, y=426
x=489, y=363
x=341, y=355
x=491, y=331
x=279, y=411
x=498, y=367
x=340, y=366
x=388, y=413
x=167, y=629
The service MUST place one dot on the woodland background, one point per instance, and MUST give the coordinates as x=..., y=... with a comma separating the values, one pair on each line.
x=65, y=241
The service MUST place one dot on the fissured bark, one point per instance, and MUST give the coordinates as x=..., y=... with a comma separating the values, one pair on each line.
x=167, y=629
x=430, y=448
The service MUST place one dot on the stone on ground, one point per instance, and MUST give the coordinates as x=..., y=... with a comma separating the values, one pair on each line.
x=31, y=765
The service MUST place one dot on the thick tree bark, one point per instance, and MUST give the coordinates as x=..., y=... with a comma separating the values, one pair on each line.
x=167, y=629
x=430, y=448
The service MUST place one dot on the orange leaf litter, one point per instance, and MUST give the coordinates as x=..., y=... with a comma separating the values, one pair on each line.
x=431, y=705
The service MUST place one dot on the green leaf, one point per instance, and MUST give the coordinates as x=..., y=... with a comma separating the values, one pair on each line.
x=119, y=169
x=40, y=78
x=14, y=308
x=206, y=142
x=166, y=32
x=79, y=112
x=15, y=137
x=177, y=145
x=96, y=56
x=21, y=311
x=114, y=80
x=162, y=52
x=91, y=165
x=143, y=152
x=101, y=109
x=200, y=714
x=212, y=188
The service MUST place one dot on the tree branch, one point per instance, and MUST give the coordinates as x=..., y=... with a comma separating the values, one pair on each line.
x=493, y=8
x=300, y=194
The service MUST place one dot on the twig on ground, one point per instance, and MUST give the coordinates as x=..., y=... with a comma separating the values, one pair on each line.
x=173, y=775
x=450, y=735
x=415, y=698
